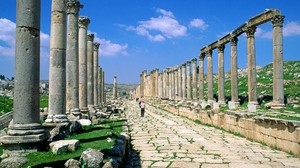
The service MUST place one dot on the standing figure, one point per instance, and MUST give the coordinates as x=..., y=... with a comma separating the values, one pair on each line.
x=142, y=106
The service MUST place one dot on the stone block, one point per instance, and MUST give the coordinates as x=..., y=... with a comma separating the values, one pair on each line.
x=251, y=108
x=72, y=145
x=233, y=105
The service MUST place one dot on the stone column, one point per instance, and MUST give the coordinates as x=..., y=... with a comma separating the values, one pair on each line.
x=183, y=81
x=188, y=80
x=90, y=71
x=115, y=88
x=100, y=86
x=234, y=75
x=173, y=84
x=170, y=83
x=201, y=77
x=25, y=134
x=210, y=82
x=164, y=83
x=278, y=92
x=194, y=79
x=82, y=46
x=179, y=83
x=176, y=83
x=57, y=71
x=72, y=65
x=103, y=97
x=251, y=67
x=96, y=65
x=221, y=97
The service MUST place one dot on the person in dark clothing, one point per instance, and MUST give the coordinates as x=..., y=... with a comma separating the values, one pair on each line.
x=142, y=106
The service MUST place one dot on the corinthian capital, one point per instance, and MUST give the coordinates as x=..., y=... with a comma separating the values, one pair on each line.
x=73, y=6
x=250, y=31
x=90, y=37
x=83, y=21
x=277, y=20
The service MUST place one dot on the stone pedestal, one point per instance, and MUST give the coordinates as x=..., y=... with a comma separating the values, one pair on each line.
x=233, y=105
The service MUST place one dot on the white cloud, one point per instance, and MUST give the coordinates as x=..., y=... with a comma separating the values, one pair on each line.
x=198, y=23
x=107, y=48
x=161, y=27
x=291, y=29
x=8, y=36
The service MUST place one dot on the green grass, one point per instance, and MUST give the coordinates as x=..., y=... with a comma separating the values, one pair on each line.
x=6, y=104
x=92, y=137
x=44, y=99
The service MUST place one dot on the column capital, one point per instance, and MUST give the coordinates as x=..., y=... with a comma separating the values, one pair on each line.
x=208, y=53
x=251, y=31
x=90, y=37
x=83, y=21
x=184, y=64
x=277, y=20
x=221, y=48
x=73, y=7
x=234, y=41
x=188, y=63
x=194, y=60
x=96, y=46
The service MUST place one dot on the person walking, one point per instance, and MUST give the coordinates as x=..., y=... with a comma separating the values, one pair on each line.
x=142, y=106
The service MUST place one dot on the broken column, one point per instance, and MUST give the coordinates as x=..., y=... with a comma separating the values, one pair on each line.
x=83, y=23
x=25, y=134
x=72, y=64
x=57, y=69
x=278, y=92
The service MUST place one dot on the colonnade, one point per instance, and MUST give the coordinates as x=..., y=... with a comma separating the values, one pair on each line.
x=75, y=79
x=185, y=84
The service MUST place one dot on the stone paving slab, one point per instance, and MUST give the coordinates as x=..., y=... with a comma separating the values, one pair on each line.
x=161, y=139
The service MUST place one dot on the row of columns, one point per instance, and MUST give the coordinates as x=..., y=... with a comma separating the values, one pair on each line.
x=183, y=83
x=74, y=82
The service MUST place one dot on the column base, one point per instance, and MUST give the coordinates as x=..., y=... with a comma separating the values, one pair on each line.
x=233, y=105
x=60, y=118
x=252, y=106
x=277, y=106
x=23, y=139
x=76, y=112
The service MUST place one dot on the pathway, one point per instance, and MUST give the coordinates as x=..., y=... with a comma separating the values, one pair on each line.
x=161, y=139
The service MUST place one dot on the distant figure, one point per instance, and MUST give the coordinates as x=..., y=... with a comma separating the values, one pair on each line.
x=142, y=106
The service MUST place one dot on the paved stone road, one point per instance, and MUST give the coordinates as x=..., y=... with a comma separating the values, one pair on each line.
x=161, y=139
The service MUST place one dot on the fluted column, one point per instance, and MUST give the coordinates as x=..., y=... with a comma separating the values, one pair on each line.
x=188, y=80
x=210, y=82
x=83, y=23
x=25, y=132
x=96, y=83
x=90, y=71
x=251, y=65
x=221, y=97
x=194, y=79
x=72, y=63
x=184, y=81
x=278, y=92
x=234, y=73
x=115, y=88
x=201, y=77
x=57, y=71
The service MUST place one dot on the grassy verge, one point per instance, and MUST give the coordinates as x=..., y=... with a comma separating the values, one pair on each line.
x=6, y=104
x=92, y=137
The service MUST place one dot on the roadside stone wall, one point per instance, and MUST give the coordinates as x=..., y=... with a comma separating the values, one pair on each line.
x=280, y=134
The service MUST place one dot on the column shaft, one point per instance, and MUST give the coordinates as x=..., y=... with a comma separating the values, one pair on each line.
x=278, y=92
x=96, y=83
x=90, y=71
x=188, y=80
x=194, y=81
x=251, y=65
x=210, y=82
x=82, y=46
x=72, y=64
x=221, y=97
x=201, y=77
x=57, y=71
x=234, y=68
x=179, y=83
x=184, y=81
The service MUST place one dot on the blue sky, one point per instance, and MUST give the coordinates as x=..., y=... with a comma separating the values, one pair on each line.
x=138, y=35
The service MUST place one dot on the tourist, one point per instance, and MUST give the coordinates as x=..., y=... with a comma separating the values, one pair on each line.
x=142, y=106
